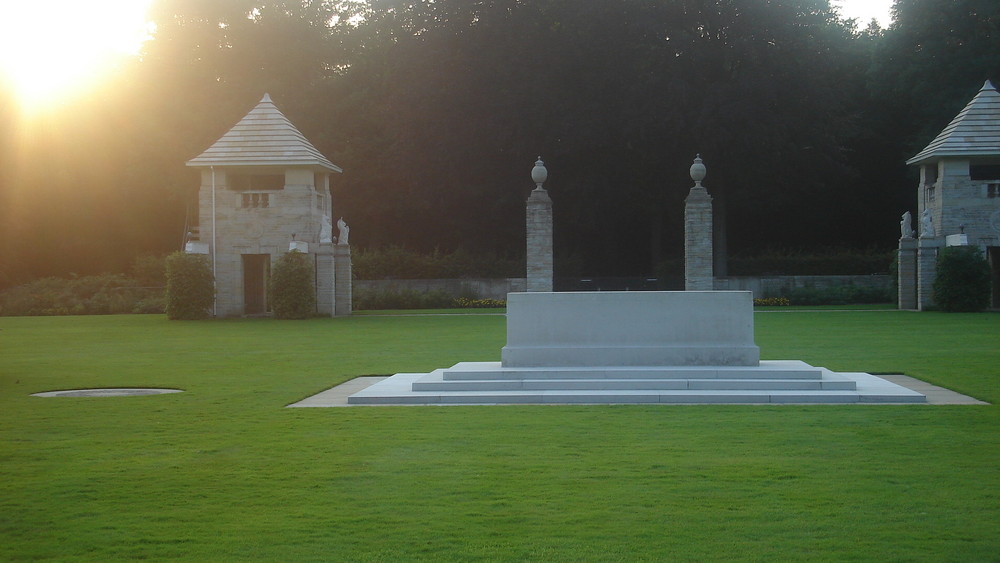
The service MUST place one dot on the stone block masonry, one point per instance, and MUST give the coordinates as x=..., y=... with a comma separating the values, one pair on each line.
x=539, y=232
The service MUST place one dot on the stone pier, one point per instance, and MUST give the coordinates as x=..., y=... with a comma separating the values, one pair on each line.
x=539, y=233
x=927, y=251
x=907, y=273
x=698, y=259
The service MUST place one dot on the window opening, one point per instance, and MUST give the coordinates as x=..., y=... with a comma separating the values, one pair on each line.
x=256, y=182
x=984, y=172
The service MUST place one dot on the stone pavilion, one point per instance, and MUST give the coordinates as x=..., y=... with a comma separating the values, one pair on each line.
x=265, y=190
x=958, y=199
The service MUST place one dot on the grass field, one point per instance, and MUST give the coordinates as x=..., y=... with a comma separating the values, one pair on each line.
x=222, y=472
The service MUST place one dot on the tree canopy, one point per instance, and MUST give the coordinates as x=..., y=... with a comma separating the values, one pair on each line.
x=437, y=111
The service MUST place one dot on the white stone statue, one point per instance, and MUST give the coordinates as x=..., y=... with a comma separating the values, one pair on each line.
x=345, y=231
x=926, y=224
x=326, y=230
x=906, y=226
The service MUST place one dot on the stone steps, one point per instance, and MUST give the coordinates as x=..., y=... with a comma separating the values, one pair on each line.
x=633, y=384
x=774, y=382
x=781, y=369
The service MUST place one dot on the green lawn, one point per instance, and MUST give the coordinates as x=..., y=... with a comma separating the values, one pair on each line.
x=224, y=472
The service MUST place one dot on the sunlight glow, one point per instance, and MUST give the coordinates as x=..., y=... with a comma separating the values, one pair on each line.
x=51, y=50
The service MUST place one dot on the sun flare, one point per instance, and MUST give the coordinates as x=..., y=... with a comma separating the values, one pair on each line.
x=51, y=50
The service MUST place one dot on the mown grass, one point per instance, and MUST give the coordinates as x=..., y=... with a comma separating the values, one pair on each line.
x=224, y=472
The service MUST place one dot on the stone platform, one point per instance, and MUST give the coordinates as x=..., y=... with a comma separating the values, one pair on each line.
x=781, y=381
x=632, y=347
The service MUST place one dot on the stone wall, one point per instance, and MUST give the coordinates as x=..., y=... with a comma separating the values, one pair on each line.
x=956, y=202
x=484, y=288
x=771, y=286
x=292, y=213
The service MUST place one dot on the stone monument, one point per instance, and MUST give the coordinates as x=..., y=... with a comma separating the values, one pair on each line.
x=539, y=232
x=698, y=233
x=631, y=347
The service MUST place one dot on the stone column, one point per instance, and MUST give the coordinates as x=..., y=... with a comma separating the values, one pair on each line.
x=343, y=286
x=927, y=249
x=907, y=273
x=325, y=279
x=698, y=233
x=539, y=231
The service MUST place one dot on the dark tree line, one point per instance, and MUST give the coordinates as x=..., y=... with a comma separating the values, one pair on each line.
x=437, y=110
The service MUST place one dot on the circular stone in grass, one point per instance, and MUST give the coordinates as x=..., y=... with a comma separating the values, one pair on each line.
x=118, y=392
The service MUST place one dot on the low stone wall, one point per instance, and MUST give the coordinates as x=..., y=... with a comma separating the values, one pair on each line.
x=483, y=288
x=763, y=286
x=773, y=286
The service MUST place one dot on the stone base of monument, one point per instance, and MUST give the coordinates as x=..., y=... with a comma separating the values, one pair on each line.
x=632, y=347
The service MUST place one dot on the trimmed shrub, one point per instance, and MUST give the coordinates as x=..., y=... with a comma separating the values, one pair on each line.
x=290, y=289
x=190, y=287
x=471, y=303
x=963, y=280
x=844, y=295
x=103, y=294
x=771, y=302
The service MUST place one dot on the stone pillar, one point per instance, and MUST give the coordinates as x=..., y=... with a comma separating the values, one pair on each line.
x=907, y=273
x=343, y=286
x=698, y=233
x=325, y=280
x=927, y=249
x=539, y=231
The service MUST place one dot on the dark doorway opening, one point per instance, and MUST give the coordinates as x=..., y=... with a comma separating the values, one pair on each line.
x=256, y=271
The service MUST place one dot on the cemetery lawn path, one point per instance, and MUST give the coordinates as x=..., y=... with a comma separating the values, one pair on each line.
x=223, y=472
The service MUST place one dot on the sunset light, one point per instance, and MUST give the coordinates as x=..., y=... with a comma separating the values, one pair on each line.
x=50, y=51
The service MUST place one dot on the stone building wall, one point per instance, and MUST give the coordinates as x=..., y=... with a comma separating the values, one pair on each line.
x=293, y=212
x=956, y=200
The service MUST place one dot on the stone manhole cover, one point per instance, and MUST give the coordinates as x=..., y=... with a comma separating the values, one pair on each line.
x=105, y=392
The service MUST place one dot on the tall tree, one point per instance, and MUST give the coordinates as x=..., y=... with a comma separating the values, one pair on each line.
x=618, y=97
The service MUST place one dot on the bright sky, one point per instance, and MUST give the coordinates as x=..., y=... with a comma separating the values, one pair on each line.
x=865, y=10
x=52, y=49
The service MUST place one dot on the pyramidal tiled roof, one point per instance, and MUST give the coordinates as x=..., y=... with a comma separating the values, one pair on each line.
x=975, y=131
x=265, y=137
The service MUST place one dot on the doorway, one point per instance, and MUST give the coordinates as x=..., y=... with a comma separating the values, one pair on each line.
x=256, y=272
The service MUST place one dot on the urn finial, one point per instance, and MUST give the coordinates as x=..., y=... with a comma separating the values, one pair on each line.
x=539, y=174
x=698, y=171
